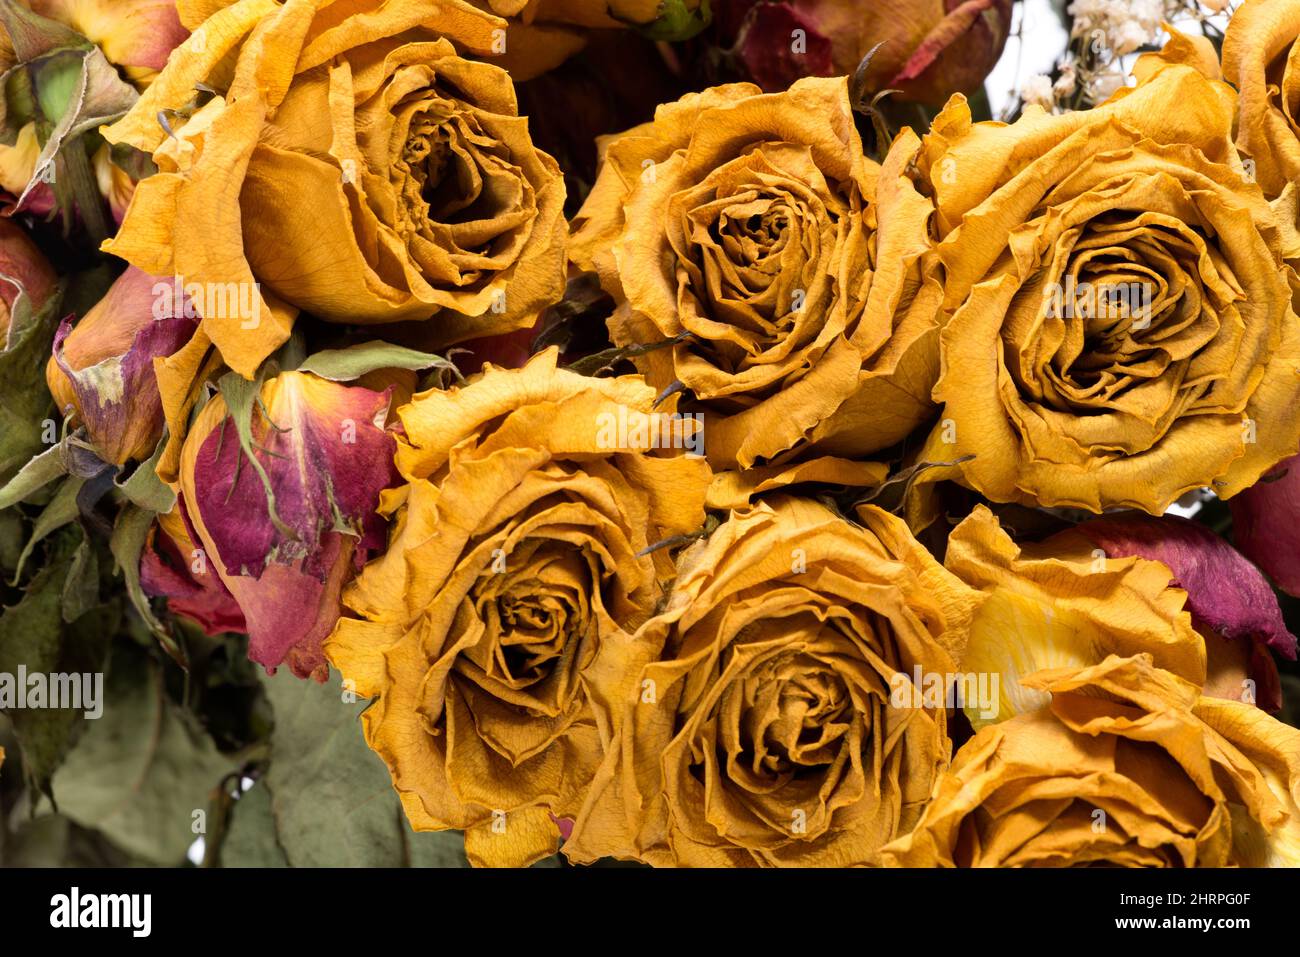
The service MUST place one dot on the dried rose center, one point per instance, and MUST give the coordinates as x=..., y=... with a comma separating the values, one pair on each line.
x=531, y=613
x=792, y=710
x=459, y=182
x=797, y=713
x=1124, y=312
x=759, y=248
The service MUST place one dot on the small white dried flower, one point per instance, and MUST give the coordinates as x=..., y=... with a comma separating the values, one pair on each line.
x=1128, y=37
x=1037, y=90
x=1065, y=83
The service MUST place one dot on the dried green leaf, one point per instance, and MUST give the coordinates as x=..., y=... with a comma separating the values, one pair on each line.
x=142, y=770
x=61, y=510
x=35, y=639
x=34, y=476
x=145, y=489
x=130, y=533
x=344, y=365
x=332, y=801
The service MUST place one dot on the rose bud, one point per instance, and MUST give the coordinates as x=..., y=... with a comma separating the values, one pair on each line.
x=1231, y=603
x=173, y=567
x=928, y=49
x=23, y=270
x=103, y=366
x=1266, y=524
x=135, y=35
x=282, y=495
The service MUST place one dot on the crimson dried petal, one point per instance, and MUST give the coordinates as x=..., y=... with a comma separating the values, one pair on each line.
x=287, y=518
x=1266, y=524
x=1226, y=594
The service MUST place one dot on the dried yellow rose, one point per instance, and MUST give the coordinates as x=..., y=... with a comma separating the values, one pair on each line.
x=1272, y=749
x=799, y=271
x=784, y=722
x=508, y=596
x=1117, y=768
x=1258, y=49
x=1094, y=659
x=349, y=163
x=1120, y=323
x=1053, y=606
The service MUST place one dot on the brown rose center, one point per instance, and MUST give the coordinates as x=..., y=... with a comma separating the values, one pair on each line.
x=790, y=728
x=1124, y=321
x=534, y=607
x=796, y=713
x=757, y=250
x=460, y=177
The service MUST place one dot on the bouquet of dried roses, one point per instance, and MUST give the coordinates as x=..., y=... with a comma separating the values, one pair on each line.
x=683, y=433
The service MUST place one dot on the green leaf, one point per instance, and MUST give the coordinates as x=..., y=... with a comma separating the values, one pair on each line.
x=81, y=587
x=29, y=636
x=344, y=365
x=130, y=533
x=25, y=400
x=677, y=22
x=53, y=841
x=141, y=771
x=145, y=489
x=33, y=635
x=12, y=532
x=34, y=476
x=332, y=801
x=250, y=840
x=433, y=848
x=61, y=510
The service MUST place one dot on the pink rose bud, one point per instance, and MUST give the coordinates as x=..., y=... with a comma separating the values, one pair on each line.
x=102, y=367
x=928, y=49
x=286, y=518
